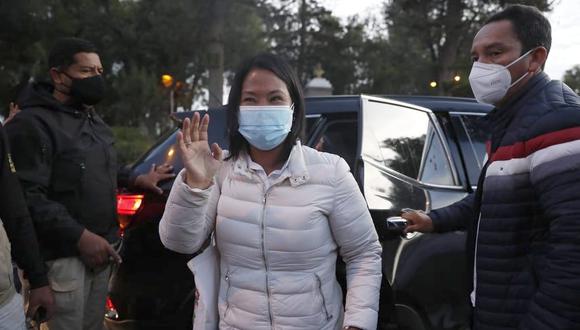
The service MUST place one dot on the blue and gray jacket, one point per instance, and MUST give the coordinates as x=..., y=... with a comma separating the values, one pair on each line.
x=524, y=220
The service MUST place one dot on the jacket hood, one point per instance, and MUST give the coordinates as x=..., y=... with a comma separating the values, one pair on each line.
x=39, y=94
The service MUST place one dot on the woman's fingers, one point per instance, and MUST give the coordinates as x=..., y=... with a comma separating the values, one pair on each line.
x=216, y=151
x=181, y=140
x=203, y=127
x=195, y=127
x=186, y=131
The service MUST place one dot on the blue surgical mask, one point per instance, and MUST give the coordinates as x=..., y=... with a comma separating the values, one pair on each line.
x=265, y=127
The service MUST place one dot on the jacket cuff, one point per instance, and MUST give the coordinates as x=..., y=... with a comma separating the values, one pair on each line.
x=436, y=220
x=441, y=223
x=188, y=191
x=37, y=280
x=364, y=319
x=73, y=234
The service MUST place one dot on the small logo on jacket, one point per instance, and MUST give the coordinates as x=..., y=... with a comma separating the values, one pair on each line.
x=11, y=164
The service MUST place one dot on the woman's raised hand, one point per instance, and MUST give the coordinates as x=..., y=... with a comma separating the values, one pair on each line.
x=200, y=162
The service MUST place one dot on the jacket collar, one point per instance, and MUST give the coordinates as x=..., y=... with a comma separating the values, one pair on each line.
x=510, y=108
x=39, y=94
x=295, y=168
x=499, y=119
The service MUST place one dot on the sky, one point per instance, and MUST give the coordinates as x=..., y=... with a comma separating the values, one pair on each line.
x=565, y=52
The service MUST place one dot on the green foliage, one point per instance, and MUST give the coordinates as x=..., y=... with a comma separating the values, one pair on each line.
x=572, y=78
x=308, y=34
x=136, y=99
x=140, y=40
x=130, y=143
x=431, y=40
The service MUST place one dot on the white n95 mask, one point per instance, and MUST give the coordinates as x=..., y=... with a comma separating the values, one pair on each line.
x=490, y=82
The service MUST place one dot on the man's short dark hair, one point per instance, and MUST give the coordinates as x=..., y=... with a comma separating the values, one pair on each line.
x=62, y=53
x=529, y=24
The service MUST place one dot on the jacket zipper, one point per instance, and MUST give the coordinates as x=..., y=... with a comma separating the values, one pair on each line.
x=473, y=294
x=264, y=200
x=227, y=294
x=328, y=316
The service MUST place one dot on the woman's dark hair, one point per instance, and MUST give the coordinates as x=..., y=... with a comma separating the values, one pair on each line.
x=282, y=69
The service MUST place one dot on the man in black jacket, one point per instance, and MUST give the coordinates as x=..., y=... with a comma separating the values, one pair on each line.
x=524, y=220
x=16, y=226
x=64, y=157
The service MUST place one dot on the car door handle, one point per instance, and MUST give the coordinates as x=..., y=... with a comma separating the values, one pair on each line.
x=396, y=223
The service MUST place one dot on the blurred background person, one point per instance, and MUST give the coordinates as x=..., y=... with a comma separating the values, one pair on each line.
x=18, y=240
x=67, y=165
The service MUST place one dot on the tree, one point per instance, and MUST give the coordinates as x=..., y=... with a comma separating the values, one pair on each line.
x=290, y=25
x=572, y=78
x=434, y=38
x=308, y=35
x=215, y=56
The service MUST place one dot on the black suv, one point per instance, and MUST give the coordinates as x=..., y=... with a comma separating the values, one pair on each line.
x=404, y=151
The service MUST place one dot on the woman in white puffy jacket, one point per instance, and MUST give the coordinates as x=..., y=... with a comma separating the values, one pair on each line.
x=281, y=213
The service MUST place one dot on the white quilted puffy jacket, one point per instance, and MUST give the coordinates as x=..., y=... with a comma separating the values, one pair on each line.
x=278, y=247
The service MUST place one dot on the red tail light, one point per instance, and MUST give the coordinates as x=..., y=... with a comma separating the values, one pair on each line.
x=128, y=204
x=111, y=311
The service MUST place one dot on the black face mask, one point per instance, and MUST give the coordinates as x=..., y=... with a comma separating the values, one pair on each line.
x=89, y=91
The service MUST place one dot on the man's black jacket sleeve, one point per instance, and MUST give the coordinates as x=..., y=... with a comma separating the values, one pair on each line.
x=32, y=155
x=457, y=216
x=17, y=222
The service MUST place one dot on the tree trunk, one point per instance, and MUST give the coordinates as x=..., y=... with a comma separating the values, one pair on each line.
x=302, y=43
x=215, y=52
x=453, y=38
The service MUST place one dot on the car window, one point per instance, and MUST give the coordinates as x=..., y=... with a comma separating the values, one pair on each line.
x=476, y=139
x=435, y=167
x=311, y=123
x=394, y=136
x=477, y=136
x=339, y=137
x=164, y=152
x=405, y=140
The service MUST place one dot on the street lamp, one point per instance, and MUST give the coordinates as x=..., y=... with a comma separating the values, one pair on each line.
x=457, y=78
x=433, y=84
x=167, y=82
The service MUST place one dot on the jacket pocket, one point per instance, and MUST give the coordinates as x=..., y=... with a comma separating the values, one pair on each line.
x=67, y=183
x=322, y=298
x=65, y=274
